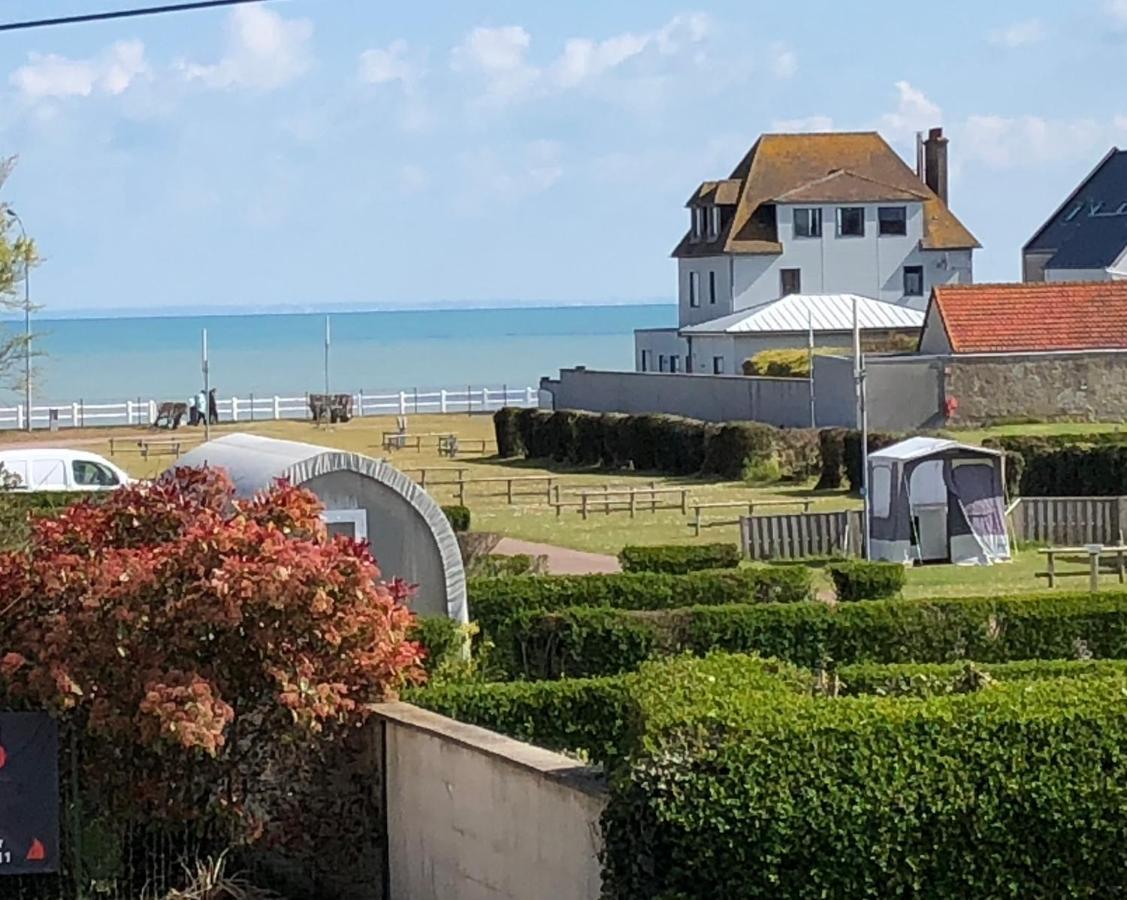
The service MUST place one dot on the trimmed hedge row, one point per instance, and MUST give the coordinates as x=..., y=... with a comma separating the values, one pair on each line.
x=839, y=453
x=584, y=642
x=861, y=580
x=960, y=796
x=1065, y=465
x=660, y=443
x=678, y=559
x=940, y=679
x=495, y=600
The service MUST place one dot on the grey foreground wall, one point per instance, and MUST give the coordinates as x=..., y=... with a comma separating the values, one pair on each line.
x=474, y=815
x=713, y=398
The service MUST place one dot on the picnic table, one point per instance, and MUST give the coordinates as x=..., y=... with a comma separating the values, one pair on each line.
x=151, y=446
x=1095, y=554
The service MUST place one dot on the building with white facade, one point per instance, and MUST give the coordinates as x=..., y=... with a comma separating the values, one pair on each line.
x=1086, y=238
x=813, y=214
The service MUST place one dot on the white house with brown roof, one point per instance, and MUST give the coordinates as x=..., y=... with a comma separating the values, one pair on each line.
x=814, y=214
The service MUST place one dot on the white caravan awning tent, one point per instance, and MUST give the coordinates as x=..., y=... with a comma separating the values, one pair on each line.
x=935, y=500
x=411, y=537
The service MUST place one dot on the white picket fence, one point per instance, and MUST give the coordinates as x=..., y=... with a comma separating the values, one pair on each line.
x=253, y=407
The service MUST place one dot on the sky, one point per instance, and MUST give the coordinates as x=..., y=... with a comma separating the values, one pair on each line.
x=318, y=153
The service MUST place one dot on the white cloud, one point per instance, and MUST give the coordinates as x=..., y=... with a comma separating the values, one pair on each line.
x=808, y=123
x=501, y=57
x=1006, y=142
x=1117, y=10
x=490, y=177
x=914, y=112
x=783, y=61
x=1020, y=34
x=112, y=73
x=394, y=63
x=264, y=51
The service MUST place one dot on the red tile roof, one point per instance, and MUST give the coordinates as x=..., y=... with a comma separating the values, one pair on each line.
x=989, y=318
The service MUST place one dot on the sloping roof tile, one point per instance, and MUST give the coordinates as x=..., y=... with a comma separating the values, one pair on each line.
x=844, y=186
x=991, y=318
x=779, y=163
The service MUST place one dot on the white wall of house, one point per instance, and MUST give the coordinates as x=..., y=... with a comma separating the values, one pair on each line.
x=872, y=266
x=654, y=348
x=934, y=340
x=1064, y=275
x=712, y=277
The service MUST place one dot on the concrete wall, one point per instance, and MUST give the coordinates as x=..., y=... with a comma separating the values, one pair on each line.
x=934, y=338
x=472, y=815
x=777, y=401
x=903, y=392
x=1080, y=386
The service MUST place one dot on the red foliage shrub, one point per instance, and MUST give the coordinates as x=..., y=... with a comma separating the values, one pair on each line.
x=192, y=632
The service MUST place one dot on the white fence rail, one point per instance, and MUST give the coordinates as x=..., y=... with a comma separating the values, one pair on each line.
x=255, y=407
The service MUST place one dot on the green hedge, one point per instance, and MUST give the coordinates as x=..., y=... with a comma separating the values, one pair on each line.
x=494, y=600
x=586, y=715
x=860, y=580
x=669, y=444
x=1015, y=791
x=596, y=642
x=1091, y=465
x=851, y=452
x=443, y=639
x=459, y=517
x=18, y=507
x=678, y=559
x=938, y=679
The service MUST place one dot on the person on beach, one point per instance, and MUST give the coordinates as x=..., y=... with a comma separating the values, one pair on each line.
x=201, y=408
x=212, y=408
x=193, y=411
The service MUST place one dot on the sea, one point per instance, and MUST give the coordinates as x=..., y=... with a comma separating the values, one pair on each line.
x=122, y=357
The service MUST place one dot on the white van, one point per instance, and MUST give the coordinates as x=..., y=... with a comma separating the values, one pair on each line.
x=62, y=470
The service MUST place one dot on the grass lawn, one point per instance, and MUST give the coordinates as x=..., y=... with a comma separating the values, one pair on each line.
x=532, y=519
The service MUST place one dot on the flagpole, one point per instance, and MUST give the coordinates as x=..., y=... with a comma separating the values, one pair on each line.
x=810, y=361
x=328, y=341
x=863, y=426
x=206, y=390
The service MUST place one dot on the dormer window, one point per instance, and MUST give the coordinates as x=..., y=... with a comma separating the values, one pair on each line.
x=698, y=223
x=713, y=222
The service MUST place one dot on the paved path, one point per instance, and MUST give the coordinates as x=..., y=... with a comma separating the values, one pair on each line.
x=561, y=560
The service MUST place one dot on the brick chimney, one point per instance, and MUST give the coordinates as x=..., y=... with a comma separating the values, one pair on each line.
x=935, y=162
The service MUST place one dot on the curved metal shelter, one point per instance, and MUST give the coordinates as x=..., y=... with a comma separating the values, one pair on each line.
x=410, y=535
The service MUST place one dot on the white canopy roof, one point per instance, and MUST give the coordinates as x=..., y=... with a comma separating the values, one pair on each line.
x=826, y=312
x=917, y=447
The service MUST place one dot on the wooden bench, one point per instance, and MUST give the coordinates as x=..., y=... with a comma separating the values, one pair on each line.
x=397, y=440
x=150, y=446
x=1095, y=554
x=750, y=505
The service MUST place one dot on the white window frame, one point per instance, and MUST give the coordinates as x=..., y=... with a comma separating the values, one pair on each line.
x=813, y=223
x=714, y=222
x=674, y=364
x=923, y=281
x=880, y=225
x=647, y=357
x=357, y=518
x=718, y=365
x=698, y=223
x=694, y=290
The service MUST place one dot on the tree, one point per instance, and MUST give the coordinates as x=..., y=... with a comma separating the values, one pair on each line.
x=197, y=644
x=18, y=255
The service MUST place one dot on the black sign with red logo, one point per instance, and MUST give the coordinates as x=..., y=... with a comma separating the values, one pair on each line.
x=29, y=794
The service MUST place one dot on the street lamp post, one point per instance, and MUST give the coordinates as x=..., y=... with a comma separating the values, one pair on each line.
x=12, y=214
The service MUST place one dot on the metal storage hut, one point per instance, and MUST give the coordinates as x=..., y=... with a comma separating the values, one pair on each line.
x=934, y=500
x=363, y=498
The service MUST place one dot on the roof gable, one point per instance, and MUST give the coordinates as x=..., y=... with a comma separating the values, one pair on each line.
x=821, y=312
x=779, y=164
x=991, y=318
x=842, y=186
x=1075, y=236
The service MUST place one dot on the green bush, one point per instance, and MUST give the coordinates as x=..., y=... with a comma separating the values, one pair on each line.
x=734, y=444
x=1091, y=465
x=507, y=429
x=677, y=559
x=861, y=580
x=586, y=715
x=17, y=508
x=831, y=450
x=458, y=517
x=497, y=566
x=984, y=629
x=493, y=600
x=1015, y=791
x=851, y=452
x=443, y=639
x=939, y=679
